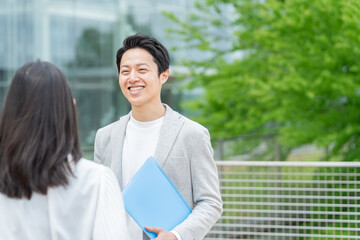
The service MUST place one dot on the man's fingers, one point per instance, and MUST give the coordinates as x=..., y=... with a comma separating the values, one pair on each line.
x=156, y=230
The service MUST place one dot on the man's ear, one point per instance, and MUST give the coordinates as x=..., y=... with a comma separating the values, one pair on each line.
x=164, y=76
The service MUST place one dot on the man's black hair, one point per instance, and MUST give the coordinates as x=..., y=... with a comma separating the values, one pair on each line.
x=150, y=44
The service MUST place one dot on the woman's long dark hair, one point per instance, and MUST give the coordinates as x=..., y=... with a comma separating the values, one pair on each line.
x=38, y=130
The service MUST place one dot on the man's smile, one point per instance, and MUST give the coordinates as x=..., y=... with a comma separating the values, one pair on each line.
x=136, y=88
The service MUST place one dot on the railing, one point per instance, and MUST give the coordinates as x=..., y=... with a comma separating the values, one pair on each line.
x=289, y=200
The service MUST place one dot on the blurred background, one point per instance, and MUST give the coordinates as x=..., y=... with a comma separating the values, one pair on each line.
x=81, y=37
x=272, y=80
x=276, y=82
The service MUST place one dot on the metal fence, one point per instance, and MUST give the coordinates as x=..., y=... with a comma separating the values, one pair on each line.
x=289, y=200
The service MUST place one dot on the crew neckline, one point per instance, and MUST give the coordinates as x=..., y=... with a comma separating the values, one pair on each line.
x=147, y=124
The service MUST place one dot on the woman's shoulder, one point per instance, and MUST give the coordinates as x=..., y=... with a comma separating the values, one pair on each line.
x=90, y=171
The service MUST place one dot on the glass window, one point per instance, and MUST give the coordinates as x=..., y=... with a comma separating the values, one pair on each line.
x=81, y=37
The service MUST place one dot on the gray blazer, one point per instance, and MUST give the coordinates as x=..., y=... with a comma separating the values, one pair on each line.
x=185, y=154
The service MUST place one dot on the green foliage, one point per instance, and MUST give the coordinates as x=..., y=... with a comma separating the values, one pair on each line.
x=298, y=74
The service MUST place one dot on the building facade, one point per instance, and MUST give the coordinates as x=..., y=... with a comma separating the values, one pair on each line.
x=81, y=37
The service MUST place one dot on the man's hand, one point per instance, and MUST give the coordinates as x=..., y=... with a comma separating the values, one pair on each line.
x=162, y=234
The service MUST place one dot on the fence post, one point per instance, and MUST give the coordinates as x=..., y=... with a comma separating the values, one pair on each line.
x=221, y=148
x=277, y=152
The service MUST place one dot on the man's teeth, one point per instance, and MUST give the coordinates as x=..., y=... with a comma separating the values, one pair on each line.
x=136, y=88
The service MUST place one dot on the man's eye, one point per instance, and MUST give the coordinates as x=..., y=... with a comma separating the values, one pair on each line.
x=124, y=72
x=142, y=69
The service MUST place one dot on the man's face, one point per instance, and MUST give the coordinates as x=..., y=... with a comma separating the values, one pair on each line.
x=138, y=78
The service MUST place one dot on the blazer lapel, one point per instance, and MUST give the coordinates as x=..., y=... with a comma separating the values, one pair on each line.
x=117, y=143
x=168, y=134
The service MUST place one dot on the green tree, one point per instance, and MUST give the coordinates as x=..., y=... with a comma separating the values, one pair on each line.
x=298, y=74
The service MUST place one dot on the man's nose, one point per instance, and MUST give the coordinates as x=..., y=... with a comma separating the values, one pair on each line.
x=133, y=76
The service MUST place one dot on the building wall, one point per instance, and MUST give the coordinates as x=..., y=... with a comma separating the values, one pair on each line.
x=81, y=37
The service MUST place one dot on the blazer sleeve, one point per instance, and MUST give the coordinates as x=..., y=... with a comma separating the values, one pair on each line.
x=110, y=221
x=205, y=185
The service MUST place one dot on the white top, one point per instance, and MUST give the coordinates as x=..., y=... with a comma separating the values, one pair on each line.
x=140, y=143
x=89, y=207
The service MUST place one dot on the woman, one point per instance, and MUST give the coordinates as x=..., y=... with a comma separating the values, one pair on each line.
x=47, y=191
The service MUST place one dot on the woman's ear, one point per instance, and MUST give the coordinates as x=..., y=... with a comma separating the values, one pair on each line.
x=74, y=101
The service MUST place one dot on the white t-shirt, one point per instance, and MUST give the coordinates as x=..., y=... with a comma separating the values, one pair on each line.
x=140, y=142
x=89, y=207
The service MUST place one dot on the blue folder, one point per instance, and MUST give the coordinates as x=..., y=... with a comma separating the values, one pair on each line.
x=152, y=200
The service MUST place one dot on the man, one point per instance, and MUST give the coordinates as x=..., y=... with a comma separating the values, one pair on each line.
x=180, y=146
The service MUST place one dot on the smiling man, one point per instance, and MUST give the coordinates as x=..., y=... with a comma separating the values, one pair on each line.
x=181, y=147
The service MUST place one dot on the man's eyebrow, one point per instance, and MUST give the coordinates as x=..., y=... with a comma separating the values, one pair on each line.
x=136, y=65
x=143, y=64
